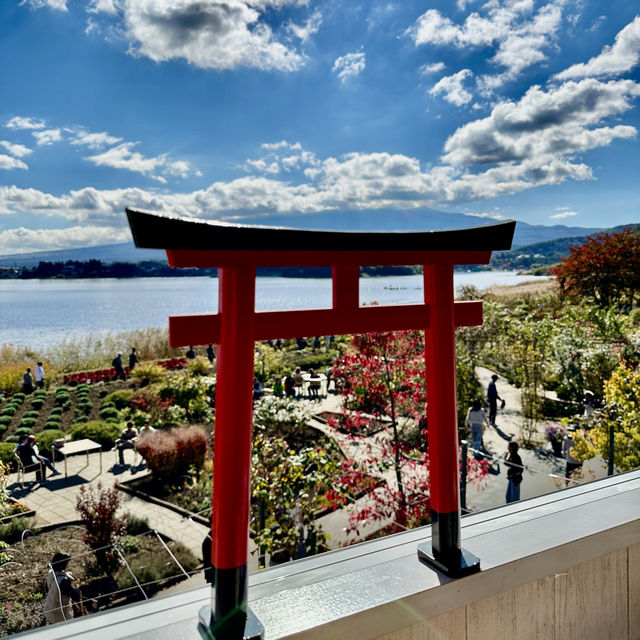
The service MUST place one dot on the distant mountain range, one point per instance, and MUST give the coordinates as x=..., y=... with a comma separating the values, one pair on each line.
x=526, y=235
x=542, y=254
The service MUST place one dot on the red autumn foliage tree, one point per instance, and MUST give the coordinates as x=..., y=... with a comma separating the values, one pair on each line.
x=605, y=267
x=383, y=381
x=97, y=507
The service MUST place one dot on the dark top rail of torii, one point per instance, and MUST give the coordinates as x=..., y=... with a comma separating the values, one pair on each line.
x=213, y=243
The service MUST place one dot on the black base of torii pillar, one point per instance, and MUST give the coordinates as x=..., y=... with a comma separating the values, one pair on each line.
x=237, y=250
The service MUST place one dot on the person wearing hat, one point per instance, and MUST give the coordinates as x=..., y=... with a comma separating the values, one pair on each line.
x=116, y=363
x=61, y=595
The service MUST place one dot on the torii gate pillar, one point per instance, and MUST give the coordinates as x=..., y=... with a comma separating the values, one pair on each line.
x=237, y=251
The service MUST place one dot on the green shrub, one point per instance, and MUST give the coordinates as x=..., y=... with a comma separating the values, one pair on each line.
x=37, y=403
x=12, y=531
x=83, y=387
x=54, y=417
x=9, y=410
x=51, y=425
x=27, y=423
x=56, y=411
x=5, y=420
x=108, y=412
x=12, y=439
x=30, y=414
x=66, y=405
x=19, y=397
x=136, y=524
x=98, y=431
x=149, y=372
x=46, y=440
x=199, y=366
x=129, y=544
x=121, y=398
x=62, y=399
x=6, y=454
x=24, y=430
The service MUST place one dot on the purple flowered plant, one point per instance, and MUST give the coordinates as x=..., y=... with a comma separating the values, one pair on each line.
x=555, y=431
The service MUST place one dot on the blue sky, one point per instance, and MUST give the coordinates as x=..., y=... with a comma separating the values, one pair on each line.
x=517, y=109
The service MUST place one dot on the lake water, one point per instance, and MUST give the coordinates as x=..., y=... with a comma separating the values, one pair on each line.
x=40, y=313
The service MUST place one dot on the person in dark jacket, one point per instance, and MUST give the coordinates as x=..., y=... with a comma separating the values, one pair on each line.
x=515, y=470
x=117, y=365
x=133, y=359
x=493, y=397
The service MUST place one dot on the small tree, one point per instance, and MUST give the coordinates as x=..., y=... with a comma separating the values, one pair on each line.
x=384, y=376
x=285, y=485
x=605, y=267
x=621, y=414
x=97, y=508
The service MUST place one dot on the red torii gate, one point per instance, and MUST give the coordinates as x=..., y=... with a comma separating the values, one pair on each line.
x=237, y=250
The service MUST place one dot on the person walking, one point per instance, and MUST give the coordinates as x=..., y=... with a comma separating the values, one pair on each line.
x=133, y=359
x=475, y=420
x=514, y=472
x=493, y=397
x=211, y=354
x=38, y=374
x=116, y=363
x=26, y=382
x=61, y=595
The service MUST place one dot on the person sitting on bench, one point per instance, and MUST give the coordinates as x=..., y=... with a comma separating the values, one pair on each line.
x=126, y=441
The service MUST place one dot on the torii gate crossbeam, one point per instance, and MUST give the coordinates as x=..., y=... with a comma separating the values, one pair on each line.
x=237, y=251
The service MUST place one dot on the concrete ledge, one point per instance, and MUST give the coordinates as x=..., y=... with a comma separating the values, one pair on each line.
x=589, y=534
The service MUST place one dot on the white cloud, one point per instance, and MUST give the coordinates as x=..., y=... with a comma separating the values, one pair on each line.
x=563, y=214
x=349, y=65
x=123, y=157
x=217, y=34
x=92, y=140
x=103, y=6
x=436, y=67
x=619, y=58
x=22, y=240
x=8, y=163
x=58, y=5
x=25, y=123
x=281, y=156
x=562, y=120
x=519, y=35
x=47, y=137
x=452, y=89
x=283, y=144
x=310, y=27
x=17, y=150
